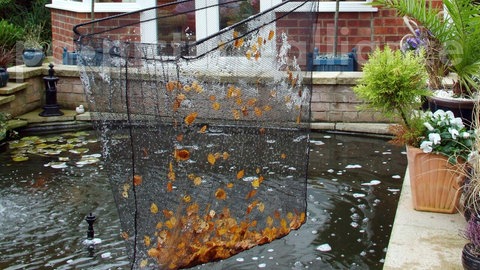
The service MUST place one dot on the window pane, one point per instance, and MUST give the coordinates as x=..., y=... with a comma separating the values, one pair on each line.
x=175, y=26
x=235, y=12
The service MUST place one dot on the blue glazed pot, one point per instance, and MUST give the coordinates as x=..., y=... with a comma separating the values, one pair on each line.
x=3, y=77
x=33, y=57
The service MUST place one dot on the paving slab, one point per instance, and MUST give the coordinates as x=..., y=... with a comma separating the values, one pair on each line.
x=424, y=240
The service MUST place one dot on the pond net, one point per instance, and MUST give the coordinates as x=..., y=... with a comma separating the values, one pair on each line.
x=205, y=139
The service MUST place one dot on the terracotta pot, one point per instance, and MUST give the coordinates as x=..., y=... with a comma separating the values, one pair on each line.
x=435, y=183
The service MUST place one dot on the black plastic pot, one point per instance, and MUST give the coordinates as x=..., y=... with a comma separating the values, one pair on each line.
x=33, y=57
x=470, y=261
x=3, y=77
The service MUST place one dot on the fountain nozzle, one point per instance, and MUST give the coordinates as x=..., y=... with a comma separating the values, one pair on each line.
x=90, y=220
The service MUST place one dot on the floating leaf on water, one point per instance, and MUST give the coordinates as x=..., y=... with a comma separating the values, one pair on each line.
x=78, y=150
x=324, y=248
x=52, y=152
x=18, y=144
x=30, y=138
x=19, y=158
x=58, y=165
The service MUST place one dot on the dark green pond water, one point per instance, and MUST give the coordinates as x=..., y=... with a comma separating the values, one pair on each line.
x=354, y=184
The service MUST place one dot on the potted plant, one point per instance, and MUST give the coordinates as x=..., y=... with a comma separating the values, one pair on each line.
x=34, y=46
x=6, y=58
x=437, y=143
x=450, y=37
x=471, y=250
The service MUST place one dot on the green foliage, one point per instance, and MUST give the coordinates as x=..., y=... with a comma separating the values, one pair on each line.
x=9, y=34
x=393, y=83
x=457, y=30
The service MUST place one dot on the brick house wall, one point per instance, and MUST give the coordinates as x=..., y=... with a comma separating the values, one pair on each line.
x=361, y=30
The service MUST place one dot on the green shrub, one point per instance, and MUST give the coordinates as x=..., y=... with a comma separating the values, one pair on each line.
x=9, y=34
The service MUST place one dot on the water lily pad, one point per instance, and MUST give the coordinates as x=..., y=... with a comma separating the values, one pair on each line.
x=19, y=158
x=52, y=152
x=78, y=150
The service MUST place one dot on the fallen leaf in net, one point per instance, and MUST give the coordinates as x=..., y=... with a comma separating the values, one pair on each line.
x=211, y=159
x=137, y=180
x=190, y=118
x=153, y=208
x=220, y=194
x=240, y=174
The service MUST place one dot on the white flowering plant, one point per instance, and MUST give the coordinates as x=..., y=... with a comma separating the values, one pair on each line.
x=447, y=135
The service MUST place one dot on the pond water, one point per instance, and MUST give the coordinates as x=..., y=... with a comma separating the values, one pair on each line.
x=354, y=185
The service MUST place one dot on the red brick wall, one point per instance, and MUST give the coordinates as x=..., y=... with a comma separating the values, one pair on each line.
x=64, y=21
x=361, y=30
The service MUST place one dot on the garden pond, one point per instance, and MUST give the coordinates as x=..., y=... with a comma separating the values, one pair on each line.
x=50, y=183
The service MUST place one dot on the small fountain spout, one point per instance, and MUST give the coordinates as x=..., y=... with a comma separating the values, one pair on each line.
x=90, y=220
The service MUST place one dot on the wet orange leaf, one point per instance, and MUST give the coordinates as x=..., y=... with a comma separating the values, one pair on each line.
x=187, y=198
x=235, y=34
x=190, y=118
x=271, y=34
x=230, y=185
x=180, y=137
x=169, y=186
x=236, y=114
x=257, y=55
x=212, y=98
x=171, y=85
x=267, y=108
x=167, y=213
x=251, y=194
x=240, y=174
x=262, y=131
x=251, y=206
x=216, y=106
x=197, y=181
x=203, y=129
x=181, y=154
x=251, y=102
x=283, y=156
x=225, y=155
x=269, y=221
x=159, y=225
x=244, y=111
x=171, y=222
x=255, y=183
x=238, y=43
x=258, y=111
x=261, y=207
x=211, y=159
x=124, y=235
x=137, y=180
x=248, y=54
x=239, y=101
x=146, y=240
x=153, y=208
x=220, y=194
x=192, y=209
x=260, y=41
x=276, y=214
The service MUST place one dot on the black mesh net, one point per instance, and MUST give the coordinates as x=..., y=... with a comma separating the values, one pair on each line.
x=206, y=141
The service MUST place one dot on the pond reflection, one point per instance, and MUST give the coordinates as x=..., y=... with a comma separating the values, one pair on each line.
x=353, y=189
